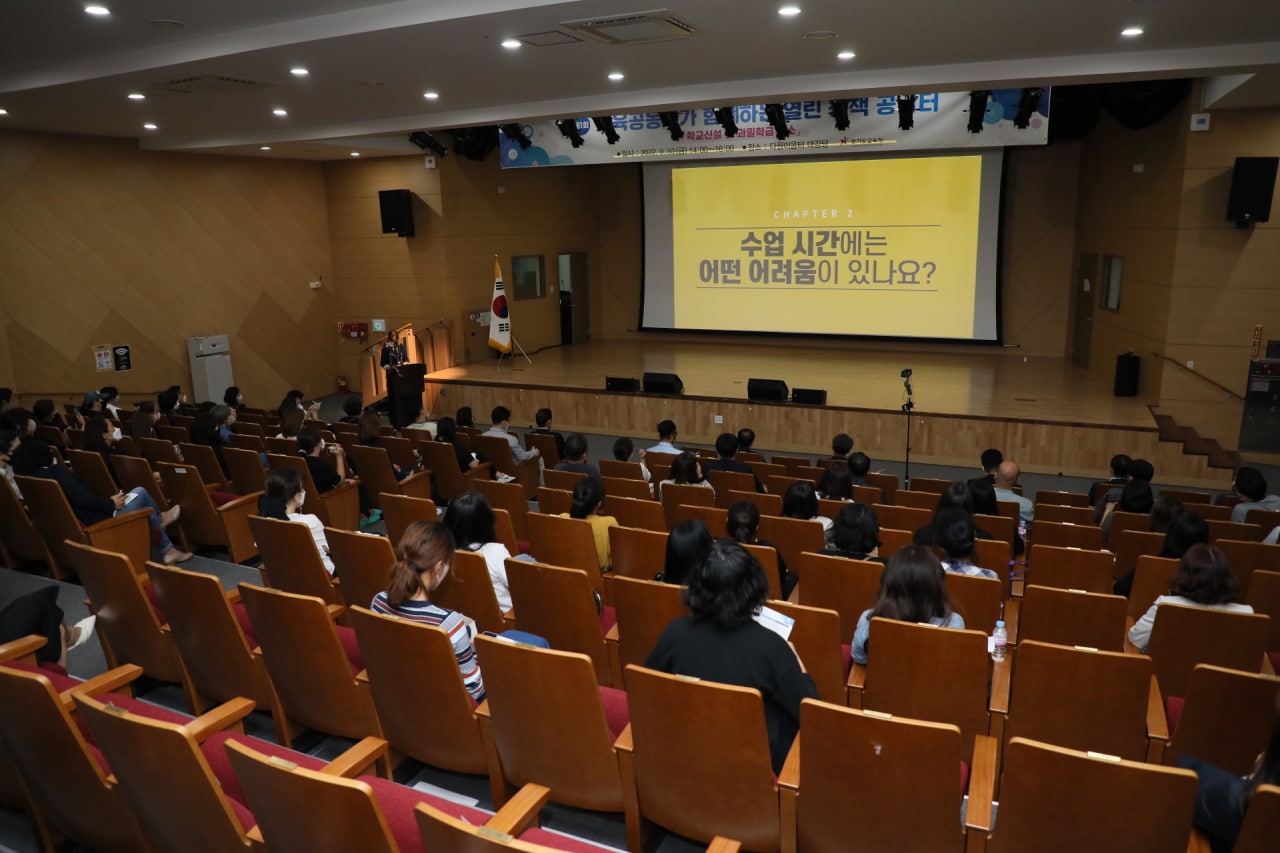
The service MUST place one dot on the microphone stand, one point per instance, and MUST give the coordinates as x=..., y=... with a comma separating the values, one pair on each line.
x=906, y=410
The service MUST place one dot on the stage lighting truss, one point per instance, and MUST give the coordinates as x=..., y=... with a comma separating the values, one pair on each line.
x=516, y=133
x=778, y=119
x=906, y=112
x=427, y=142
x=1027, y=106
x=978, y=109
x=839, y=111
x=671, y=121
x=604, y=124
x=724, y=117
x=569, y=130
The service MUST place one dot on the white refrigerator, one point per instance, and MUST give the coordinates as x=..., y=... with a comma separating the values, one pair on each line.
x=210, y=367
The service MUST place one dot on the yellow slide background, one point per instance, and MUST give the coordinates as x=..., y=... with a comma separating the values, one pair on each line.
x=855, y=247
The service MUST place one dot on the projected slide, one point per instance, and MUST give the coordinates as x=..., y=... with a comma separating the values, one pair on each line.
x=900, y=247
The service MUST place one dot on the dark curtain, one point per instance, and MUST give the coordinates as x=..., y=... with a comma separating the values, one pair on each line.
x=1074, y=110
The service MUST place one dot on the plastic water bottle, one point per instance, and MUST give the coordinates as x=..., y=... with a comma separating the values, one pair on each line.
x=1001, y=637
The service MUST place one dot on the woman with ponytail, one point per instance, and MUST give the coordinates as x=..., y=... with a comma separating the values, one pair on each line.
x=588, y=500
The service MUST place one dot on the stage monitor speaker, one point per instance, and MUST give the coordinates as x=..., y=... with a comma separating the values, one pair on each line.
x=397, y=212
x=1253, y=182
x=662, y=383
x=621, y=383
x=809, y=396
x=1127, y=367
x=767, y=390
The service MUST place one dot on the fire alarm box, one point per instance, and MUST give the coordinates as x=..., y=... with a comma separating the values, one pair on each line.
x=354, y=331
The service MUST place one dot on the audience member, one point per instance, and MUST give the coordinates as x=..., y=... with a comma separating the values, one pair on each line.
x=1252, y=486
x=6, y=399
x=168, y=401
x=574, y=457
x=666, y=439
x=1204, y=579
x=206, y=429
x=841, y=446
x=352, y=408
x=1165, y=509
x=688, y=544
x=464, y=417
x=1184, y=531
x=686, y=470
x=622, y=449
x=283, y=500
x=9, y=441
x=501, y=424
x=855, y=534
x=954, y=534
x=746, y=438
x=859, y=467
x=109, y=394
x=100, y=437
x=801, y=501
x=21, y=420
x=328, y=466
x=1006, y=478
x=471, y=520
x=37, y=613
x=447, y=431
x=956, y=496
x=911, y=590
x=726, y=449
x=142, y=423
x=720, y=641
x=836, y=482
x=588, y=500
x=92, y=404
x=46, y=414
x=233, y=398
x=290, y=423
x=742, y=522
x=543, y=420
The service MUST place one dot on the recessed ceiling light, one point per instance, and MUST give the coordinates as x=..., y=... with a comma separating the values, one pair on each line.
x=820, y=35
x=431, y=96
x=4, y=112
x=846, y=54
x=299, y=71
x=97, y=11
x=1130, y=32
x=511, y=44
x=137, y=96
x=149, y=126
x=280, y=111
x=355, y=153
x=166, y=24
x=265, y=148
x=616, y=75
x=788, y=10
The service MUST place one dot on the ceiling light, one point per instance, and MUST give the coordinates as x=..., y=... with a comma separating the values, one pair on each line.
x=788, y=10
x=1130, y=32
x=431, y=96
x=265, y=148
x=149, y=126
x=355, y=153
x=511, y=44
x=299, y=71
x=280, y=111
x=846, y=54
x=616, y=75
x=604, y=124
x=4, y=112
x=137, y=96
x=97, y=11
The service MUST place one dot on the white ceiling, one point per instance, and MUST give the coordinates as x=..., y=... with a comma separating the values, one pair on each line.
x=370, y=62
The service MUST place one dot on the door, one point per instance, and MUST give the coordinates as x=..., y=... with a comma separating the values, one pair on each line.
x=575, y=311
x=1085, y=285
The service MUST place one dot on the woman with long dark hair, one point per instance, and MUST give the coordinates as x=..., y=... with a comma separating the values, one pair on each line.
x=283, y=500
x=471, y=520
x=801, y=501
x=588, y=500
x=855, y=534
x=1204, y=579
x=686, y=470
x=911, y=590
x=688, y=544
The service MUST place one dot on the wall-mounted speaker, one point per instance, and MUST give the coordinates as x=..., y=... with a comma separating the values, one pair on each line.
x=621, y=383
x=662, y=383
x=397, y=212
x=1253, y=182
x=809, y=396
x=767, y=390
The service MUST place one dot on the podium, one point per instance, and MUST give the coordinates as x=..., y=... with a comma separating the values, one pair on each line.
x=405, y=387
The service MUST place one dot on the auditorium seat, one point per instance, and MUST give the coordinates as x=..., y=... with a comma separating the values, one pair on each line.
x=645, y=514
x=637, y=553
x=339, y=507
x=378, y=477
x=675, y=494
x=20, y=541
x=768, y=504
x=1225, y=718
x=448, y=480
x=1047, y=497
x=557, y=604
x=820, y=644
x=203, y=523
x=1070, y=568
x=361, y=562
x=644, y=608
x=982, y=601
x=157, y=450
x=91, y=469
x=1234, y=530
x=247, y=474
x=1185, y=636
x=1072, y=617
x=555, y=501
x=792, y=536
x=468, y=589
x=202, y=456
x=563, y=480
x=128, y=533
x=565, y=542
x=625, y=487
x=1064, y=535
x=845, y=586
x=514, y=498
x=290, y=560
x=496, y=450
x=399, y=511
x=548, y=449
x=1081, y=515
x=714, y=517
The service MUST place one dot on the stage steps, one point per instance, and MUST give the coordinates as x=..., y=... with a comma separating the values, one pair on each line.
x=1193, y=444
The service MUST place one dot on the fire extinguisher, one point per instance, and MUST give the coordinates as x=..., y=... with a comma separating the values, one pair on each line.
x=342, y=384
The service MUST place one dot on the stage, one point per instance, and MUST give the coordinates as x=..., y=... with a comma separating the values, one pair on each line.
x=1049, y=414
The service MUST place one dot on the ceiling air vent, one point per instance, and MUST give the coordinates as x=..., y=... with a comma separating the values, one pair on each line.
x=211, y=84
x=636, y=28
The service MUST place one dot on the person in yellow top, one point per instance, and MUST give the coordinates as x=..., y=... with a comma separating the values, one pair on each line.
x=588, y=499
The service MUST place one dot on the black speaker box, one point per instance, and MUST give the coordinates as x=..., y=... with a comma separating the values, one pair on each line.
x=662, y=383
x=767, y=390
x=1127, y=366
x=1253, y=182
x=397, y=212
x=620, y=383
x=809, y=396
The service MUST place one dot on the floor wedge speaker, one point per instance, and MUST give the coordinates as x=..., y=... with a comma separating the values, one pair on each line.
x=662, y=383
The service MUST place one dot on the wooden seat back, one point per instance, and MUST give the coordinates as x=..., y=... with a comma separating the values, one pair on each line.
x=1213, y=512
x=622, y=487
x=247, y=473
x=448, y=478
x=643, y=514
x=768, y=503
x=729, y=481
x=790, y=462
x=157, y=450
x=497, y=451
x=1249, y=557
x=714, y=517
x=1261, y=826
x=817, y=637
x=1046, y=497
x=562, y=480
x=135, y=471
x=400, y=450
x=1131, y=546
x=378, y=478
x=1187, y=497
x=867, y=494
x=216, y=655
x=932, y=485
x=164, y=776
x=543, y=722
x=468, y=589
x=203, y=457
x=810, y=473
x=51, y=436
x=1036, y=815
x=1185, y=636
x=422, y=703
x=361, y=562
x=1264, y=597
x=677, y=494
x=1237, y=530
x=901, y=755
x=1064, y=535
x=1071, y=568
x=927, y=501
x=1122, y=521
x=1151, y=579
x=310, y=671
x=1079, y=515
x=1226, y=718
x=767, y=557
x=891, y=540
x=846, y=586
x=1072, y=617
x=91, y=469
x=979, y=600
x=792, y=536
x=556, y=603
x=637, y=553
x=994, y=554
x=645, y=609
x=173, y=432
x=1001, y=527
x=290, y=559
x=704, y=771
x=19, y=537
x=399, y=511
x=887, y=484
x=339, y=507
x=928, y=673
x=566, y=542
x=777, y=484
x=1267, y=519
x=225, y=526
x=282, y=446
x=546, y=445
x=127, y=534
x=1082, y=699
x=69, y=795
x=554, y=501
x=621, y=469
x=1011, y=510
x=512, y=497
x=902, y=517
x=248, y=441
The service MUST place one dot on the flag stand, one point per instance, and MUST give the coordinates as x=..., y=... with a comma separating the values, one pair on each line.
x=510, y=354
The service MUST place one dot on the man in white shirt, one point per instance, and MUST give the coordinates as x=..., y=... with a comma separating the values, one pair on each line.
x=1252, y=486
x=1006, y=476
x=666, y=439
x=501, y=421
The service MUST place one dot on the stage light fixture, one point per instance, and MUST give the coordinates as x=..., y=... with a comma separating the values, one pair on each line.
x=724, y=117
x=840, y=112
x=778, y=119
x=1027, y=106
x=427, y=142
x=671, y=121
x=978, y=109
x=515, y=133
x=569, y=130
x=906, y=112
x=604, y=124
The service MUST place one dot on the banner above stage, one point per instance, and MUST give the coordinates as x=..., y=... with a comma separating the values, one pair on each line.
x=940, y=122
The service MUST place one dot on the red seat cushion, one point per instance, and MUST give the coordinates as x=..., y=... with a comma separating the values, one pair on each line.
x=398, y=802
x=244, y=817
x=150, y=590
x=1275, y=660
x=523, y=547
x=242, y=617
x=846, y=659
x=608, y=618
x=347, y=637
x=215, y=752
x=964, y=778
x=617, y=714
x=220, y=498
x=1173, y=712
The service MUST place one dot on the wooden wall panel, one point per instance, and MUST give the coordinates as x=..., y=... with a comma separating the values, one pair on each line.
x=107, y=244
